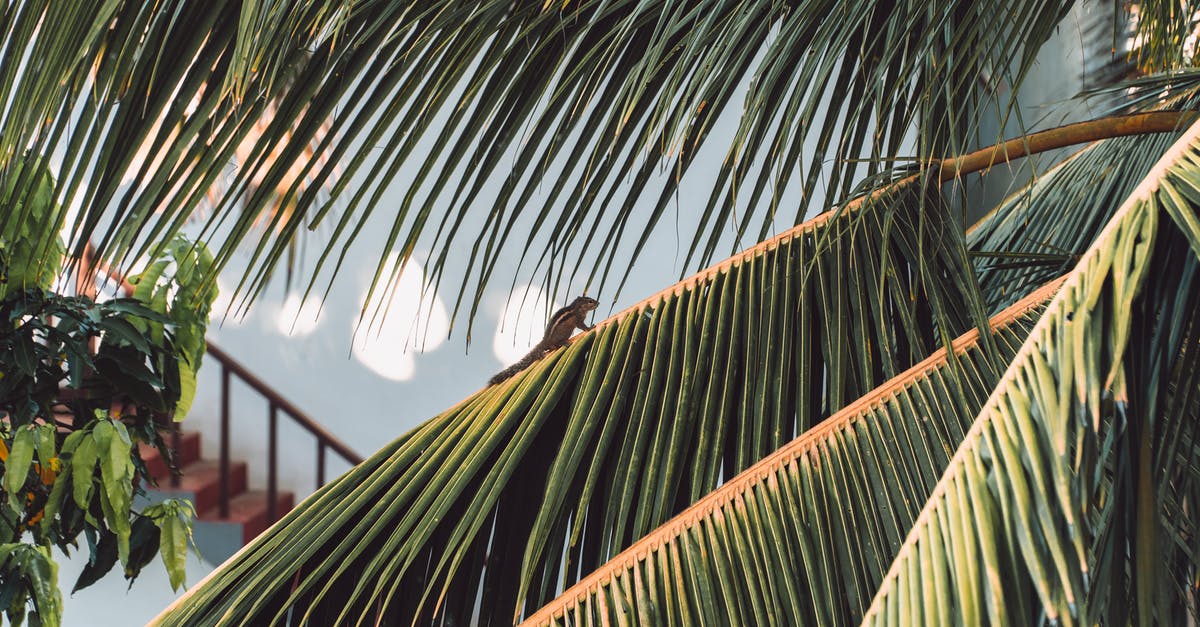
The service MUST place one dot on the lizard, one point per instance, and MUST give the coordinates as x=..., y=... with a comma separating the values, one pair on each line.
x=562, y=324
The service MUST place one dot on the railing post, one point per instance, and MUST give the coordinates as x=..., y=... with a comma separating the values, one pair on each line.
x=320, y=463
x=272, y=461
x=224, y=500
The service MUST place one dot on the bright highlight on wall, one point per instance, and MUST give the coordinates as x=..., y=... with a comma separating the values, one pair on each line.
x=296, y=320
x=413, y=323
x=522, y=323
x=222, y=310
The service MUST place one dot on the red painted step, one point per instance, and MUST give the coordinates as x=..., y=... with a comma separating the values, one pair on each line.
x=189, y=451
x=250, y=510
x=202, y=480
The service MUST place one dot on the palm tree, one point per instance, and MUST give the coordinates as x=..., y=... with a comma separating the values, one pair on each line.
x=878, y=414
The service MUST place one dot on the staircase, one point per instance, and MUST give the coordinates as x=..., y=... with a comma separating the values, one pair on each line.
x=217, y=537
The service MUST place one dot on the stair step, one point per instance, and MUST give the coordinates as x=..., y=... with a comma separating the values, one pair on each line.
x=250, y=510
x=201, y=481
x=189, y=452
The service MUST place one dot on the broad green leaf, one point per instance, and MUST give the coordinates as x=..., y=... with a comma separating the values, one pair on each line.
x=45, y=443
x=116, y=472
x=74, y=439
x=83, y=466
x=173, y=546
x=124, y=331
x=57, y=493
x=146, y=285
x=101, y=560
x=187, y=390
x=144, y=541
x=16, y=468
x=25, y=355
x=43, y=574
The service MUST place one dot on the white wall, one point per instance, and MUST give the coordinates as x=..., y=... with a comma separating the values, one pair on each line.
x=111, y=602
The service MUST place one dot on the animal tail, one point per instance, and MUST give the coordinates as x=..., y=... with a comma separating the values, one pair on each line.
x=522, y=364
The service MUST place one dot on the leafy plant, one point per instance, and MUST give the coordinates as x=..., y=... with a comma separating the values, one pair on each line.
x=46, y=340
x=82, y=383
x=61, y=479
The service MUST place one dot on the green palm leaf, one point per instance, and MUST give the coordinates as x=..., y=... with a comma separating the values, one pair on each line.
x=527, y=486
x=1085, y=452
x=1041, y=231
x=805, y=535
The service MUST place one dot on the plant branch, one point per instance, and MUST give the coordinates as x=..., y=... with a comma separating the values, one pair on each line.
x=1063, y=136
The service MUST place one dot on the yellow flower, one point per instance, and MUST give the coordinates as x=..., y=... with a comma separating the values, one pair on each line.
x=50, y=471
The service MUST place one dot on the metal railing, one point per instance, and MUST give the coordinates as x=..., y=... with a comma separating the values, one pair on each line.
x=276, y=403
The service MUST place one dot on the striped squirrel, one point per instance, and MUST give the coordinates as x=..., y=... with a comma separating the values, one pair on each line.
x=562, y=324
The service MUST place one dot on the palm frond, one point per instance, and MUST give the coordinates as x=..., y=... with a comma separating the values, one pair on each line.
x=149, y=103
x=1057, y=493
x=805, y=535
x=1177, y=89
x=801, y=537
x=1162, y=26
x=525, y=487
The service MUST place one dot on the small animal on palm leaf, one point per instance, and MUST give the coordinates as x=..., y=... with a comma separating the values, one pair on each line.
x=562, y=324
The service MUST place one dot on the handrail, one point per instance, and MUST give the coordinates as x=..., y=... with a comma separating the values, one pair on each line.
x=229, y=365
x=302, y=418
x=325, y=439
